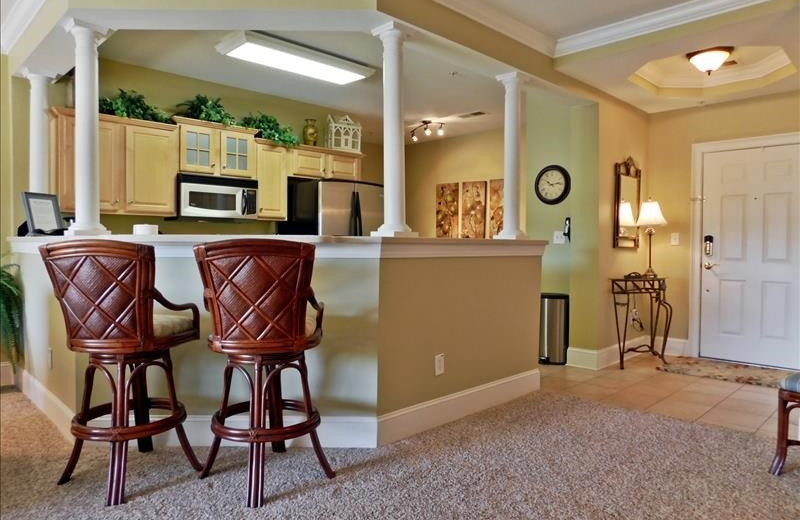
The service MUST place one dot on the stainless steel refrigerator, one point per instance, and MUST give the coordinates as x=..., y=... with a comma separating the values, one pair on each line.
x=332, y=207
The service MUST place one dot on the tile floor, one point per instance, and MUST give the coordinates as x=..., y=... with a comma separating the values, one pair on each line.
x=748, y=408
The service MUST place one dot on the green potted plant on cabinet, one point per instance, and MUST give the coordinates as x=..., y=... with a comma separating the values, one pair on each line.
x=11, y=315
x=206, y=109
x=269, y=128
x=130, y=103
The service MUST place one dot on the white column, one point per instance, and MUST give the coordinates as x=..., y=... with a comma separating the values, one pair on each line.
x=511, y=158
x=38, y=133
x=394, y=168
x=87, y=152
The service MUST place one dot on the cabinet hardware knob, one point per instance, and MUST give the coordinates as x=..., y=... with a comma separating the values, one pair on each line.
x=130, y=202
x=115, y=201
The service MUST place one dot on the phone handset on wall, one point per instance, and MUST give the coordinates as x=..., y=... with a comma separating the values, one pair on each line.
x=708, y=245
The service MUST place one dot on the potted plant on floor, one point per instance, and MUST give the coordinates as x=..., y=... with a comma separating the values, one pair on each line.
x=11, y=315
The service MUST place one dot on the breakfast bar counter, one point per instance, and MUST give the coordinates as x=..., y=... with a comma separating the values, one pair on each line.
x=391, y=306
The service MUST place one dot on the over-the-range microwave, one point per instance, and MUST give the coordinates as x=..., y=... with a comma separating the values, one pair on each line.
x=215, y=196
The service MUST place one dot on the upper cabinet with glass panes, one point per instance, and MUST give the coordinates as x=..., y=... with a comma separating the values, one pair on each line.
x=216, y=149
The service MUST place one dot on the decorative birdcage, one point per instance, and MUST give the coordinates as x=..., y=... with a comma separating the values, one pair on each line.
x=343, y=134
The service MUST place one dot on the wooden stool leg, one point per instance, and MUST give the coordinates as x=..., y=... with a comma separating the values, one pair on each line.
x=323, y=461
x=226, y=391
x=141, y=410
x=255, y=484
x=783, y=436
x=88, y=381
x=173, y=399
x=118, y=458
x=275, y=404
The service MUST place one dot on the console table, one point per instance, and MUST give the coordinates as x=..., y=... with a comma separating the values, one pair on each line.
x=623, y=289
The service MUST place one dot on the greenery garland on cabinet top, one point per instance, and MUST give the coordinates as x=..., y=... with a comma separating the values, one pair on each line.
x=269, y=128
x=11, y=315
x=130, y=103
x=206, y=109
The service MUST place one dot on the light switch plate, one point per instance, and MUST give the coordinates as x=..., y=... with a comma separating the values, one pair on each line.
x=559, y=238
x=675, y=239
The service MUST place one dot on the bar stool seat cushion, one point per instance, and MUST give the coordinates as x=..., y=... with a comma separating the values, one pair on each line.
x=791, y=382
x=311, y=325
x=171, y=324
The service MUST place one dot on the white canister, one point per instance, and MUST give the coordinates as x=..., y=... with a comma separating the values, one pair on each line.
x=145, y=229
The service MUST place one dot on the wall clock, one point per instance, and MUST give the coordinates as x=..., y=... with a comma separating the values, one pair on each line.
x=552, y=185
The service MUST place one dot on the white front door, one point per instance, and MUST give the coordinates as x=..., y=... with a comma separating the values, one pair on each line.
x=750, y=290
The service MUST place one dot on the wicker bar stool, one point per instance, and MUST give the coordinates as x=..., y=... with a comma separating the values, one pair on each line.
x=257, y=292
x=788, y=400
x=105, y=289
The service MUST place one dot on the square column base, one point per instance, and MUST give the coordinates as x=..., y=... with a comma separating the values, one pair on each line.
x=511, y=235
x=406, y=234
x=74, y=231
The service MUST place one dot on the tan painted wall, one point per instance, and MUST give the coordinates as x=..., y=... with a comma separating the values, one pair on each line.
x=473, y=157
x=443, y=305
x=622, y=133
x=671, y=136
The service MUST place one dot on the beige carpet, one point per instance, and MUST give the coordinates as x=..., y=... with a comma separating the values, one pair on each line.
x=542, y=456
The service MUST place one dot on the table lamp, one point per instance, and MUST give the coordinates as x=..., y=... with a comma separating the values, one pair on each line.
x=650, y=216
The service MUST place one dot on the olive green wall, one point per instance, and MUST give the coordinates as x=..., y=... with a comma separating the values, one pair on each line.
x=556, y=133
x=6, y=160
x=671, y=136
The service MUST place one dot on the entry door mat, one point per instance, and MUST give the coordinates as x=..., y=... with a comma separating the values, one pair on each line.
x=725, y=371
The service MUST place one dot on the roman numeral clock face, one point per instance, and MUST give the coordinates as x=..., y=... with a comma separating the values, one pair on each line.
x=552, y=185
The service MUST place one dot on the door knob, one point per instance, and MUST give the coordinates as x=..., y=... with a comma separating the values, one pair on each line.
x=708, y=266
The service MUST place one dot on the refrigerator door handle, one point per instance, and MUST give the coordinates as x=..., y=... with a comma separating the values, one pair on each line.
x=356, y=224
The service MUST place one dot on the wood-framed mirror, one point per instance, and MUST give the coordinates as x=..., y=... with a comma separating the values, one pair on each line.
x=627, y=191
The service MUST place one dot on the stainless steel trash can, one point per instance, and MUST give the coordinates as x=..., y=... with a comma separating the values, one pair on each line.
x=554, y=329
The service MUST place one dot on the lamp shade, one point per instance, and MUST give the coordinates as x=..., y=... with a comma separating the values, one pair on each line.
x=650, y=215
x=709, y=60
x=626, y=214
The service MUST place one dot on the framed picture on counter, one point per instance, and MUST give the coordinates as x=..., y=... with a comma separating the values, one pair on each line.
x=43, y=213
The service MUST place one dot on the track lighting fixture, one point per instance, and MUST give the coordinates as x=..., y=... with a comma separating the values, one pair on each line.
x=425, y=126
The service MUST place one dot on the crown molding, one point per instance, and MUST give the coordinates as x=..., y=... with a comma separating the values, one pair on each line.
x=648, y=23
x=718, y=78
x=18, y=19
x=502, y=23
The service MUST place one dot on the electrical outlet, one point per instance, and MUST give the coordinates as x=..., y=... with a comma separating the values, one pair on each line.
x=559, y=238
x=50, y=358
x=438, y=364
x=675, y=239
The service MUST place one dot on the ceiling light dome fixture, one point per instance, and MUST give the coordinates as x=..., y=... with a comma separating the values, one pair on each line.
x=425, y=125
x=709, y=60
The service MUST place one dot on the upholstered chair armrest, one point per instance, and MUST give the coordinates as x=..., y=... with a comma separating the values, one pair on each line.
x=319, y=307
x=157, y=296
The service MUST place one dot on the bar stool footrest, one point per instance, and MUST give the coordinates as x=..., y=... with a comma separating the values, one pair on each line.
x=253, y=435
x=82, y=431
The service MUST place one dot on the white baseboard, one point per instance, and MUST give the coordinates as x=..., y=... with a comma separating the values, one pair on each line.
x=334, y=431
x=6, y=374
x=53, y=407
x=403, y=423
x=608, y=356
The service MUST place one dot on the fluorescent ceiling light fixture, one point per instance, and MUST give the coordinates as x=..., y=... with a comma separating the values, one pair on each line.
x=291, y=57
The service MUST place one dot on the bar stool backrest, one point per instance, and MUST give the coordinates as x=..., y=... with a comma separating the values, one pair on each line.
x=104, y=288
x=257, y=291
